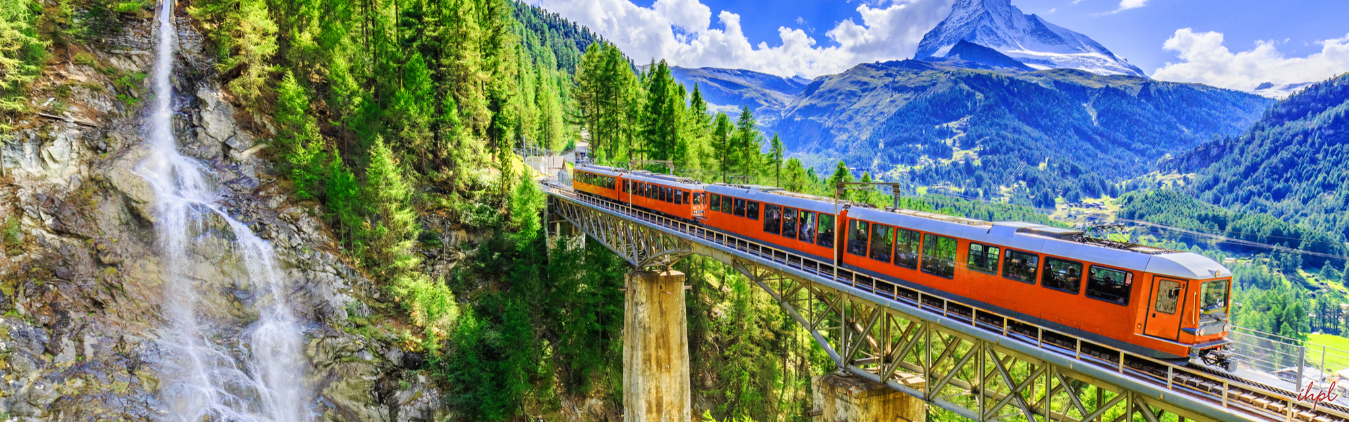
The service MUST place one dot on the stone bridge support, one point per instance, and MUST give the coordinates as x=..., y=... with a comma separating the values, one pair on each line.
x=842, y=397
x=655, y=348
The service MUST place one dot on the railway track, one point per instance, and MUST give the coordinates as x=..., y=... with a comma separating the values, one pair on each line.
x=1215, y=387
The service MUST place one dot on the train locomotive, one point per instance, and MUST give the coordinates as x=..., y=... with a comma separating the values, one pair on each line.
x=1158, y=303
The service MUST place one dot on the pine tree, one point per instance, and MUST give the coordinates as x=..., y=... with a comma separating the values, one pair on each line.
x=660, y=127
x=251, y=32
x=775, y=156
x=865, y=194
x=393, y=223
x=722, y=144
x=747, y=142
x=841, y=175
x=20, y=53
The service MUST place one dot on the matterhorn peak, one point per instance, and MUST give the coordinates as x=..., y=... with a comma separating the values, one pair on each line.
x=999, y=25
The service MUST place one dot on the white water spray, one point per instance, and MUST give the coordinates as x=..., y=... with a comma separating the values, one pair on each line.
x=261, y=377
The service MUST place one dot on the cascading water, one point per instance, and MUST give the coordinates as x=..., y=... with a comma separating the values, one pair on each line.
x=207, y=376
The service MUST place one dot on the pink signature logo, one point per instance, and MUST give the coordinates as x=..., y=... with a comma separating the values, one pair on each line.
x=1315, y=398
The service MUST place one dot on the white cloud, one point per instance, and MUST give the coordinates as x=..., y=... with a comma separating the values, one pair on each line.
x=682, y=32
x=1131, y=4
x=1206, y=60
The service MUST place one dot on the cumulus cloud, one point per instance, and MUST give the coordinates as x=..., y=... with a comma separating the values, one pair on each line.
x=1206, y=60
x=682, y=32
x=1131, y=4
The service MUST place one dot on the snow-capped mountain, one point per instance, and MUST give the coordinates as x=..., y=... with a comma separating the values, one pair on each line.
x=1029, y=39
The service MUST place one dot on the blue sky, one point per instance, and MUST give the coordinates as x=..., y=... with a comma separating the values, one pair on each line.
x=1229, y=43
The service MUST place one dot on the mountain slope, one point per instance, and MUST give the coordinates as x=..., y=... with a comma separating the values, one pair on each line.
x=728, y=89
x=1028, y=38
x=1056, y=130
x=990, y=59
x=1293, y=163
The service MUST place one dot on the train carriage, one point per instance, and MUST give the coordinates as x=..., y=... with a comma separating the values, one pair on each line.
x=1163, y=304
x=600, y=181
x=803, y=223
x=670, y=195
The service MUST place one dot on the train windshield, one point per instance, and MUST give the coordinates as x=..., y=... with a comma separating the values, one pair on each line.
x=1214, y=297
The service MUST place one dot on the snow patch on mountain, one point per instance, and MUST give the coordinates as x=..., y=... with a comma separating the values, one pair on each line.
x=1269, y=90
x=1029, y=39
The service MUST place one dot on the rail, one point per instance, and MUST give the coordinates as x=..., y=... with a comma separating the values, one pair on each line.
x=1215, y=394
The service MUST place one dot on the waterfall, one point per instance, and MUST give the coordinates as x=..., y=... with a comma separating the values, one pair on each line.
x=213, y=370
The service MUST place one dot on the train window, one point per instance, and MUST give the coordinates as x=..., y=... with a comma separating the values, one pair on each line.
x=807, y=230
x=627, y=186
x=687, y=195
x=679, y=196
x=1168, y=296
x=1020, y=266
x=906, y=248
x=752, y=210
x=666, y=194
x=716, y=202
x=726, y=204
x=983, y=258
x=772, y=219
x=882, y=240
x=698, y=198
x=1214, y=294
x=939, y=255
x=788, y=222
x=826, y=236
x=1062, y=275
x=857, y=237
x=1108, y=284
x=739, y=207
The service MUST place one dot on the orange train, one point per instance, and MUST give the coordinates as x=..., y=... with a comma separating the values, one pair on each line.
x=1157, y=303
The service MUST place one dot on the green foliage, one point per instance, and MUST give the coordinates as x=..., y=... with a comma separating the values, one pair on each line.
x=21, y=51
x=393, y=224
x=12, y=233
x=1176, y=209
x=245, y=34
x=1293, y=164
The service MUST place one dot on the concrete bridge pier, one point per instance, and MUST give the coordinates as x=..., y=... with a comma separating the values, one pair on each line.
x=655, y=348
x=850, y=398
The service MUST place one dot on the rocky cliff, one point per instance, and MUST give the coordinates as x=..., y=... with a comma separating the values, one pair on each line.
x=80, y=279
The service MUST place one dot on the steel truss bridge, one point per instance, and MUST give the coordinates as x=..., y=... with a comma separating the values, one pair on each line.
x=978, y=363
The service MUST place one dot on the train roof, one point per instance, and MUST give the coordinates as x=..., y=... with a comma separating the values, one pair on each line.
x=664, y=179
x=1051, y=241
x=772, y=195
x=598, y=169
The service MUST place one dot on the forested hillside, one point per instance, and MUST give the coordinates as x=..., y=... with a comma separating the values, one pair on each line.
x=1293, y=163
x=1064, y=133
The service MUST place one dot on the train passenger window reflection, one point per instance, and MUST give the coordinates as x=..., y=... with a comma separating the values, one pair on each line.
x=1020, y=266
x=752, y=210
x=1110, y=285
x=857, y=237
x=679, y=197
x=939, y=255
x=698, y=198
x=807, y=222
x=1062, y=275
x=788, y=222
x=716, y=202
x=772, y=219
x=906, y=248
x=726, y=204
x=882, y=238
x=983, y=258
x=826, y=236
x=739, y=207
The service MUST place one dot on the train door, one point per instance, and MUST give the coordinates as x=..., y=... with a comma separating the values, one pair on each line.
x=1166, y=308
